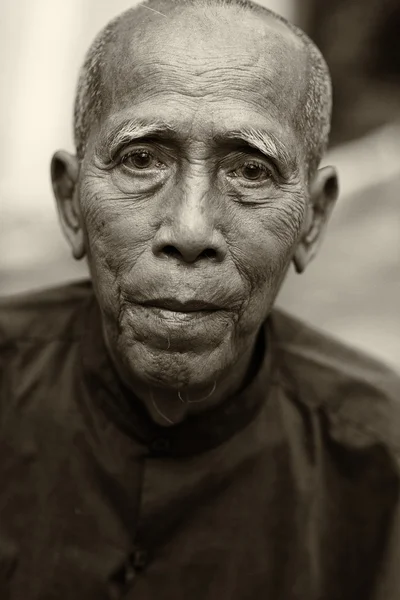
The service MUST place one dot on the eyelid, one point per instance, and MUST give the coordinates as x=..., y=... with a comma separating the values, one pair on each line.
x=134, y=151
x=263, y=163
x=160, y=162
x=150, y=144
x=269, y=161
x=130, y=149
x=248, y=154
x=123, y=160
x=255, y=161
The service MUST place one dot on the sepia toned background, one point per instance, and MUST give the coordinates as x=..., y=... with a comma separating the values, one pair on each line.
x=352, y=290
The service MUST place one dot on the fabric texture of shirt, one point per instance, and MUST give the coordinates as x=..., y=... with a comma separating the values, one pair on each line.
x=287, y=491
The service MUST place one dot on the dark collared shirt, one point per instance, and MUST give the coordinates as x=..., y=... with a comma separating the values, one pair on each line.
x=287, y=491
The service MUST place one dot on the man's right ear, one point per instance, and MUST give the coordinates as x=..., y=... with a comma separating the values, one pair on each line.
x=64, y=177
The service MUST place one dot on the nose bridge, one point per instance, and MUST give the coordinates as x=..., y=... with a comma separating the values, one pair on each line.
x=190, y=228
x=193, y=211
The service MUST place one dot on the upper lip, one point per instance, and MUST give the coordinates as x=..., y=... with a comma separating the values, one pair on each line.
x=181, y=306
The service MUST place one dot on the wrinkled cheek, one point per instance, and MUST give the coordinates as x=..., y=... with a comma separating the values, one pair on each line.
x=104, y=259
x=266, y=258
x=104, y=277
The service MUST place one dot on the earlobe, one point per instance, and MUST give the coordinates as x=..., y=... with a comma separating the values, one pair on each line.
x=323, y=193
x=300, y=259
x=64, y=176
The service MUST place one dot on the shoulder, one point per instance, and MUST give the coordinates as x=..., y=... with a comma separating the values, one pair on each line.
x=40, y=335
x=45, y=315
x=356, y=392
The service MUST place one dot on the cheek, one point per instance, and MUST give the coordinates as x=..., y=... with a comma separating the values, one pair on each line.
x=117, y=232
x=262, y=246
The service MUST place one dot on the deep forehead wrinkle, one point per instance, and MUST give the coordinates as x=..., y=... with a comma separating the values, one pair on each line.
x=155, y=54
x=210, y=29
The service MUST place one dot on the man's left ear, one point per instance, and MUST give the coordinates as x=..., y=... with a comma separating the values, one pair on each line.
x=323, y=192
x=64, y=177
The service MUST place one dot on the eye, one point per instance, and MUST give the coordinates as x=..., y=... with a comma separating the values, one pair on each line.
x=141, y=160
x=253, y=171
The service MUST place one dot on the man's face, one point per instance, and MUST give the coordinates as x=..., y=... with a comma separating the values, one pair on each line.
x=192, y=190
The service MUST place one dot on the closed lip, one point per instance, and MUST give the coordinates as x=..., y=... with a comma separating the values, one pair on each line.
x=181, y=306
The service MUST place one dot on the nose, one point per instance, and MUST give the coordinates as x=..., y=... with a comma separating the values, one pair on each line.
x=189, y=233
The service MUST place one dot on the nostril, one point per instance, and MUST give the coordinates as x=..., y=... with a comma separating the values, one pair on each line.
x=171, y=251
x=193, y=254
x=209, y=253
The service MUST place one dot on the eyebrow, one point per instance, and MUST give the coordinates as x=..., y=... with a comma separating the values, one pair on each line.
x=266, y=143
x=134, y=129
x=263, y=141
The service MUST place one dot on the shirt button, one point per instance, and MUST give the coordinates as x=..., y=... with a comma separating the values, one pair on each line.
x=122, y=580
x=129, y=576
x=160, y=446
x=139, y=559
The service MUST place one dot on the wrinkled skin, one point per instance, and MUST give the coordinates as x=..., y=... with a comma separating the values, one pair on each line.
x=189, y=214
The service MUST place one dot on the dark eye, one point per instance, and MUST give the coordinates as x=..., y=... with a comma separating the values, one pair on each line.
x=141, y=160
x=254, y=171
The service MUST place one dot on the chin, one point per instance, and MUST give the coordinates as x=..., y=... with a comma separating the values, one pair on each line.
x=172, y=353
x=173, y=370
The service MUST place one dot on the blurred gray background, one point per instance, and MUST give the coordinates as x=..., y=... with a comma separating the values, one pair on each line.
x=352, y=290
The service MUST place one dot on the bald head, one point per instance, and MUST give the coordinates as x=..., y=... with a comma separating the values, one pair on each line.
x=135, y=29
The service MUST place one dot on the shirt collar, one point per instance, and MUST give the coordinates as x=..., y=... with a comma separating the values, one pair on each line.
x=197, y=433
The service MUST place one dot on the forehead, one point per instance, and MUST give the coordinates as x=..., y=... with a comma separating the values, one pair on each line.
x=210, y=65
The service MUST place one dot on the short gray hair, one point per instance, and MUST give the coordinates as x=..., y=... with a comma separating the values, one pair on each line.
x=314, y=122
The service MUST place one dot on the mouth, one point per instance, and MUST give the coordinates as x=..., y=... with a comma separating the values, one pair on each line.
x=174, y=310
x=175, y=324
x=176, y=306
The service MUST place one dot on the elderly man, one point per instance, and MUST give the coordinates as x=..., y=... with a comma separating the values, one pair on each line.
x=164, y=432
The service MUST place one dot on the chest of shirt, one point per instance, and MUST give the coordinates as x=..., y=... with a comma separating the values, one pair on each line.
x=85, y=515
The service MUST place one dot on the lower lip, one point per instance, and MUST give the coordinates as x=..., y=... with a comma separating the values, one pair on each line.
x=178, y=331
x=179, y=316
